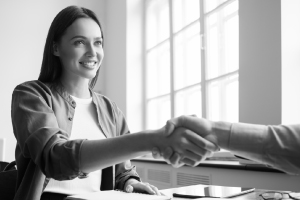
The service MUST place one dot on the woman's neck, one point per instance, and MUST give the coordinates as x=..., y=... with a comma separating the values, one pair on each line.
x=78, y=89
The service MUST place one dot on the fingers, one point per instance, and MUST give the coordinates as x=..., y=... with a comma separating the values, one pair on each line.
x=175, y=160
x=189, y=162
x=170, y=127
x=156, y=153
x=173, y=123
x=143, y=187
x=188, y=145
x=199, y=142
x=187, y=157
x=172, y=157
x=146, y=187
x=155, y=189
x=129, y=189
x=167, y=154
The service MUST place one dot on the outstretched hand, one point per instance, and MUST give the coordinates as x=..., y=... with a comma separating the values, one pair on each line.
x=205, y=140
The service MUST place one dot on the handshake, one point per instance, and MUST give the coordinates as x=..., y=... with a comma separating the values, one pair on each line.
x=189, y=140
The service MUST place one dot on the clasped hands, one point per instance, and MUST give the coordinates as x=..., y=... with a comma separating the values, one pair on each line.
x=190, y=141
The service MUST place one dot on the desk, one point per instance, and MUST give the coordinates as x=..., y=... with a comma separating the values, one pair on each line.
x=248, y=196
x=163, y=176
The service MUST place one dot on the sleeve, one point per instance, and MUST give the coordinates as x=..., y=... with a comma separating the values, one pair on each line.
x=276, y=146
x=124, y=170
x=38, y=134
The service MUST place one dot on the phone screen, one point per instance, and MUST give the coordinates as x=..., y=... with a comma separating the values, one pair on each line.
x=224, y=192
x=215, y=191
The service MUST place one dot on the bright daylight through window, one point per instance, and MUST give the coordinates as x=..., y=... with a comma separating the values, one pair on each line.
x=191, y=60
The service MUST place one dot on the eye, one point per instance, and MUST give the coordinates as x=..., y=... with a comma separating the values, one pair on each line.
x=79, y=42
x=99, y=43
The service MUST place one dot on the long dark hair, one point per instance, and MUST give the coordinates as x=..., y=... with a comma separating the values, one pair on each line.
x=51, y=66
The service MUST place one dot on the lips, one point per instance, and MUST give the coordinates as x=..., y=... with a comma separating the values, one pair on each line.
x=89, y=64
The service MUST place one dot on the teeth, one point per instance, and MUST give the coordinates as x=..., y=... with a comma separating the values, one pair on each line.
x=89, y=64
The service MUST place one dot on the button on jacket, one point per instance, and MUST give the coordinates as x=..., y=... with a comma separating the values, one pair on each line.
x=42, y=117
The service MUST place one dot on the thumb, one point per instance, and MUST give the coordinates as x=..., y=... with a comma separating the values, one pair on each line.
x=176, y=122
x=156, y=153
x=170, y=127
x=129, y=189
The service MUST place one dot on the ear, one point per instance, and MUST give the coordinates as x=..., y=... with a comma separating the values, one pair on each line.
x=55, y=49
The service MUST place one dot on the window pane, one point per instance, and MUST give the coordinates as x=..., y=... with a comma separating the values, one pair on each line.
x=213, y=101
x=222, y=41
x=213, y=47
x=158, y=112
x=187, y=57
x=184, y=12
x=157, y=22
x=223, y=99
x=158, y=71
x=212, y=4
x=232, y=101
x=188, y=102
x=231, y=32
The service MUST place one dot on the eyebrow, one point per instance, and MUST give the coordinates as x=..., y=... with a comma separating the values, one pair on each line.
x=82, y=37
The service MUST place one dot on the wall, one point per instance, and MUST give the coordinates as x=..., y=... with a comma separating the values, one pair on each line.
x=114, y=63
x=24, y=27
x=269, y=61
x=122, y=63
x=260, y=61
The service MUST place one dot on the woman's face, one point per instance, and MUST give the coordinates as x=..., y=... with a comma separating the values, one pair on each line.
x=80, y=50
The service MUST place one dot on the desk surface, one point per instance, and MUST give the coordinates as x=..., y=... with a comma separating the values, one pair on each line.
x=248, y=196
x=216, y=164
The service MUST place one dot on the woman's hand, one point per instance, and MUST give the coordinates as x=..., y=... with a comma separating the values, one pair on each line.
x=205, y=140
x=133, y=185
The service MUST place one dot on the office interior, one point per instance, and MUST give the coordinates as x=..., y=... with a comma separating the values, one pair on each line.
x=269, y=49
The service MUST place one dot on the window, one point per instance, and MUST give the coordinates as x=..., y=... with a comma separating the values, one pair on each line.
x=191, y=60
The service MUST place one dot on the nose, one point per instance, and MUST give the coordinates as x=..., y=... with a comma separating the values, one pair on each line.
x=91, y=51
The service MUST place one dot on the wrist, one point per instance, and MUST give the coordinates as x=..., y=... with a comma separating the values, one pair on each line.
x=221, y=132
x=154, y=138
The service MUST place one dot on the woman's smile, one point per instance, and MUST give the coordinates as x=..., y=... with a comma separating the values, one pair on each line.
x=89, y=64
x=80, y=50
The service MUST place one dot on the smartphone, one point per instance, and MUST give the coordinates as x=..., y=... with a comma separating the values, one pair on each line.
x=213, y=192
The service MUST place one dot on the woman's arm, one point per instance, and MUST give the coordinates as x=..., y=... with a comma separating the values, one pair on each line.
x=97, y=154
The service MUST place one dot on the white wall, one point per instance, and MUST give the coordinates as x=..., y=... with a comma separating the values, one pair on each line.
x=122, y=66
x=24, y=26
x=114, y=63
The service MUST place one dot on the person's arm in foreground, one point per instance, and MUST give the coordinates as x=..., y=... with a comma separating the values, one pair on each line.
x=276, y=146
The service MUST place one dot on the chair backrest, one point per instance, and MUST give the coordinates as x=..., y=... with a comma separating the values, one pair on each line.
x=8, y=180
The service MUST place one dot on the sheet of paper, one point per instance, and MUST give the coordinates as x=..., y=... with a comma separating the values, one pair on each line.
x=116, y=195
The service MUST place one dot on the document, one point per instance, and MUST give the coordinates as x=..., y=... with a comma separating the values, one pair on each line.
x=116, y=195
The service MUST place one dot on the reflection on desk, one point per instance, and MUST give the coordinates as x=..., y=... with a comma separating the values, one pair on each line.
x=194, y=189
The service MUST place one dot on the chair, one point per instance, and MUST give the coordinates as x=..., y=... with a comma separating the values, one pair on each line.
x=8, y=180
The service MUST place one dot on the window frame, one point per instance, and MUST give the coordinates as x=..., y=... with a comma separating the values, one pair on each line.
x=203, y=51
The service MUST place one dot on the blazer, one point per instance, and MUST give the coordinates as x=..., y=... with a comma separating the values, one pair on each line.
x=42, y=117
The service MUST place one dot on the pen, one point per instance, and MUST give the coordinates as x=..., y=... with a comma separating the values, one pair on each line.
x=240, y=193
x=190, y=196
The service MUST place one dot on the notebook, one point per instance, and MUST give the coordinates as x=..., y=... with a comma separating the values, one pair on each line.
x=116, y=195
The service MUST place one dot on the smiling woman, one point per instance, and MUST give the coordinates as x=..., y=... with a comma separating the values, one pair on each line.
x=80, y=52
x=72, y=140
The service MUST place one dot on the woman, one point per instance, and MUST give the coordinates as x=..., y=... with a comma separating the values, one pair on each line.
x=70, y=139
